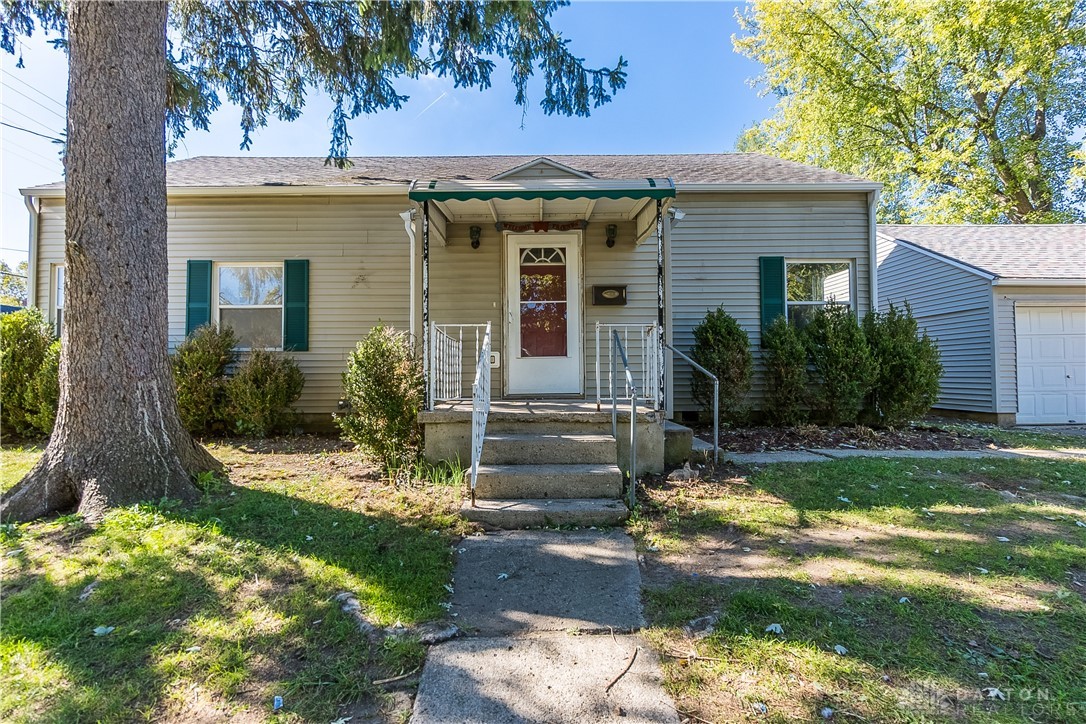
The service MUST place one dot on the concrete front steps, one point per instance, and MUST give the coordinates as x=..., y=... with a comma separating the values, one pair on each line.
x=547, y=478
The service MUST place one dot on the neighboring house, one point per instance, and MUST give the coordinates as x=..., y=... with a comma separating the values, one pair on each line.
x=1007, y=305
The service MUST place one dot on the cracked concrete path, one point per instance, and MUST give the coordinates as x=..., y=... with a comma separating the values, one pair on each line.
x=550, y=619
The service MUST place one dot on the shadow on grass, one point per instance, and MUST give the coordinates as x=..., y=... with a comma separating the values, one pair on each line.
x=212, y=607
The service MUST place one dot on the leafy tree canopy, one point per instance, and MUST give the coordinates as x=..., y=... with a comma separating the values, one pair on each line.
x=13, y=284
x=267, y=56
x=968, y=110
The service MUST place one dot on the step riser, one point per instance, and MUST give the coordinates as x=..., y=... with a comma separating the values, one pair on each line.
x=544, y=450
x=613, y=514
x=518, y=427
x=497, y=485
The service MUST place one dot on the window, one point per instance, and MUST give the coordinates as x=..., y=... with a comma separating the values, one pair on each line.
x=813, y=284
x=250, y=301
x=58, y=300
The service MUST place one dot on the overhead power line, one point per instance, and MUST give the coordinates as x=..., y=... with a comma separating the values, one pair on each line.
x=39, y=104
x=33, y=120
x=46, y=96
x=27, y=130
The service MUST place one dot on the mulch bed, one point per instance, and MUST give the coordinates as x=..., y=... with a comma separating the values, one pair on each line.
x=765, y=439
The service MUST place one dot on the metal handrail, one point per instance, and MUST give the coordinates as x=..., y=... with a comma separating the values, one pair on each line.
x=480, y=408
x=616, y=345
x=716, y=399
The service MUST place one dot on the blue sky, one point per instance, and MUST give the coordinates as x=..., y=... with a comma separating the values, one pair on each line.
x=687, y=92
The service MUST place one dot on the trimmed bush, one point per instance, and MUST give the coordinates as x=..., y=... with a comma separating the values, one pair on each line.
x=908, y=367
x=723, y=348
x=384, y=387
x=261, y=394
x=842, y=360
x=25, y=338
x=199, y=371
x=785, y=359
x=43, y=392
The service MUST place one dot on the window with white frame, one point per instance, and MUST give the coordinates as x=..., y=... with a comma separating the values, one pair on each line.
x=250, y=301
x=814, y=284
x=58, y=300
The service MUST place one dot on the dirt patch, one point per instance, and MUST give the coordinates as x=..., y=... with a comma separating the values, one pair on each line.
x=772, y=439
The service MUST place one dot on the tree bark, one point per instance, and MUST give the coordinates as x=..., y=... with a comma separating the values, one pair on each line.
x=118, y=438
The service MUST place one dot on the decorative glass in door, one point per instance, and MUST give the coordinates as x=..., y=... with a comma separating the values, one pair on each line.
x=543, y=302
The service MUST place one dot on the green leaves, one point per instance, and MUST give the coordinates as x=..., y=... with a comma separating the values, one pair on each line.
x=966, y=110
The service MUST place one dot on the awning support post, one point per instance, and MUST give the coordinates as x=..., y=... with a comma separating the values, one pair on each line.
x=426, y=371
x=660, y=310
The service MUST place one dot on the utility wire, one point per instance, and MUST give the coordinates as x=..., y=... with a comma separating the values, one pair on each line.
x=24, y=149
x=17, y=112
x=31, y=161
x=27, y=130
x=22, y=82
x=35, y=102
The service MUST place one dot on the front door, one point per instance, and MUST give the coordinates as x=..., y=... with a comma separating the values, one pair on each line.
x=543, y=311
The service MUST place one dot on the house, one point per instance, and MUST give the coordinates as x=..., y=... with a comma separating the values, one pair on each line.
x=556, y=256
x=1007, y=305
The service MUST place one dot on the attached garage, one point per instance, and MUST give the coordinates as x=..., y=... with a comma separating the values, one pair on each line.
x=1007, y=306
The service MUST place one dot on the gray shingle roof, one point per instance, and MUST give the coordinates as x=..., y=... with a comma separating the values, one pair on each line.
x=1016, y=251
x=227, y=171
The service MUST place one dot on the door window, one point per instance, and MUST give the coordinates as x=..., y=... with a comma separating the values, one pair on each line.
x=543, y=302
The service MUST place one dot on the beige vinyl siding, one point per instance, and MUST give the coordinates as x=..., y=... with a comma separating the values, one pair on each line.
x=715, y=250
x=467, y=287
x=358, y=265
x=1005, y=299
x=954, y=306
x=50, y=254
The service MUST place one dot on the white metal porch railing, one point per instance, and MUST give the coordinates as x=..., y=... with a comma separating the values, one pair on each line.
x=640, y=342
x=480, y=407
x=447, y=358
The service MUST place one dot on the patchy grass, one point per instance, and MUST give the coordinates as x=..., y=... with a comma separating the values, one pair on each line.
x=15, y=462
x=216, y=609
x=1036, y=438
x=901, y=562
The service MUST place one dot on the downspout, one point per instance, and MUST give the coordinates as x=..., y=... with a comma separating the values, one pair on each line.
x=34, y=207
x=873, y=249
x=409, y=226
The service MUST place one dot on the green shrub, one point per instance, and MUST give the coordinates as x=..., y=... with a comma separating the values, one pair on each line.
x=261, y=394
x=384, y=386
x=908, y=367
x=842, y=360
x=199, y=371
x=723, y=348
x=787, y=383
x=25, y=338
x=43, y=393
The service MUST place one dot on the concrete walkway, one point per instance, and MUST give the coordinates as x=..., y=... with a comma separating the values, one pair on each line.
x=551, y=621
x=821, y=455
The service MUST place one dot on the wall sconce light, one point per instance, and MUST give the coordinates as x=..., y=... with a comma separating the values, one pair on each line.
x=475, y=232
x=612, y=234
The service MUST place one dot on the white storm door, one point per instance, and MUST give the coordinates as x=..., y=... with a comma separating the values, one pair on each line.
x=1051, y=364
x=543, y=313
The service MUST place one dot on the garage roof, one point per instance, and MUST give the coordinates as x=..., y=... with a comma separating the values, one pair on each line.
x=1012, y=251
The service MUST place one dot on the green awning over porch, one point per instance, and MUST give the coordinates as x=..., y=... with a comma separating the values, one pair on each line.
x=545, y=189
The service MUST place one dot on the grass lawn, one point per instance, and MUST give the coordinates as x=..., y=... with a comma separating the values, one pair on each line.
x=165, y=613
x=939, y=579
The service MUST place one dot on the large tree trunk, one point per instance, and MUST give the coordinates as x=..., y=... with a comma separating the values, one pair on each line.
x=118, y=438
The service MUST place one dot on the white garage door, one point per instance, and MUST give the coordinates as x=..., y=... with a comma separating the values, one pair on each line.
x=1051, y=364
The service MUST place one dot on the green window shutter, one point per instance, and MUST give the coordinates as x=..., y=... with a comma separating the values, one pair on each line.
x=296, y=305
x=772, y=288
x=197, y=295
